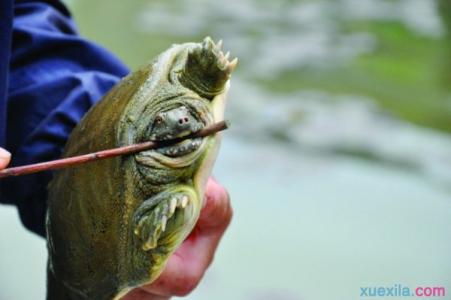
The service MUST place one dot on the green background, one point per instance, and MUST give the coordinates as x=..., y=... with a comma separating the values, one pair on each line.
x=339, y=159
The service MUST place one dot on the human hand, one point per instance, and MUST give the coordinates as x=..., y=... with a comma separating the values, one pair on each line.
x=5, y=158
x=188, y=264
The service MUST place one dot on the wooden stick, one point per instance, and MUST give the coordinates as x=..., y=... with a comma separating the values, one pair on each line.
x=81, y=159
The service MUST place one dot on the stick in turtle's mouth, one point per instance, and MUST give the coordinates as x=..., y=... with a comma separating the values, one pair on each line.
x=181, y=148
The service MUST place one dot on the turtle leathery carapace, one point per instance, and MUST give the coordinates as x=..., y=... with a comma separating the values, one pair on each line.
x=112, y=224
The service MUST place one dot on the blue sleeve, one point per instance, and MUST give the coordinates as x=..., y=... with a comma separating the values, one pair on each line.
x=55, y=77
x=6, y=16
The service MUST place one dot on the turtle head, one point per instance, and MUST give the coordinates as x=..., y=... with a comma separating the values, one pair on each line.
x=175, y=123
x=184, y=90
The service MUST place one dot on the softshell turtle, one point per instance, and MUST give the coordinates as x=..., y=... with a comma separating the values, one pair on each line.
x=112, y=224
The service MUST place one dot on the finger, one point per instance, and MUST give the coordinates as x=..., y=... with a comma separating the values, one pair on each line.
x=187, y=266
x=5, y=158
x=217, y=211
x=140, y=294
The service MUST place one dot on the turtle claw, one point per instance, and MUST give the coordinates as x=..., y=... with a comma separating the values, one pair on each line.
x=219, y=45
x=151, y=242
x=232, y=65
x=164, y=221
x=208, y=44
x=172, y=205
x=183, y=202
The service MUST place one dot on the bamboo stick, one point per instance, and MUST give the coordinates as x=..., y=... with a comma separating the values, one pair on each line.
x=126, y=150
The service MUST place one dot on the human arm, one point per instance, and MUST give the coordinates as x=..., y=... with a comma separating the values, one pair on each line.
x=55, y=76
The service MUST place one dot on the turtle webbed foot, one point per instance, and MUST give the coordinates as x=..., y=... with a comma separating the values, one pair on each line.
x=152, y=221
x=207, y=69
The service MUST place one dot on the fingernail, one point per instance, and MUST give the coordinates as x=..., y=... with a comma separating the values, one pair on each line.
x=5, y=156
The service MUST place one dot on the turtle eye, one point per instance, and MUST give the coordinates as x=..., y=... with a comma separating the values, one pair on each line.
x=158, y=119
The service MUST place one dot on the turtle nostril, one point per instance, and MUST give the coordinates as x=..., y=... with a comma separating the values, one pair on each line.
x=183, y=120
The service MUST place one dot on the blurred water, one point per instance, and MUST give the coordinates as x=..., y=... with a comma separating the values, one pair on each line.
x=336, y=183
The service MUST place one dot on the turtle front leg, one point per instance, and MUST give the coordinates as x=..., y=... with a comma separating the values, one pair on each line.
x=166, y=219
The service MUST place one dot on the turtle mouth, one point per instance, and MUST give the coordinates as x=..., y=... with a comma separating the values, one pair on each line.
x=181, y=148
x=173, y=154
x=178, y=144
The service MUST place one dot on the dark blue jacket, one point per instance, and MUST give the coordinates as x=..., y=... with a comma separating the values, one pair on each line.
x=49, y=78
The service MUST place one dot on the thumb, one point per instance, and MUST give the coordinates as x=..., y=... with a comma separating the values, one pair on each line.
x=5, y=157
